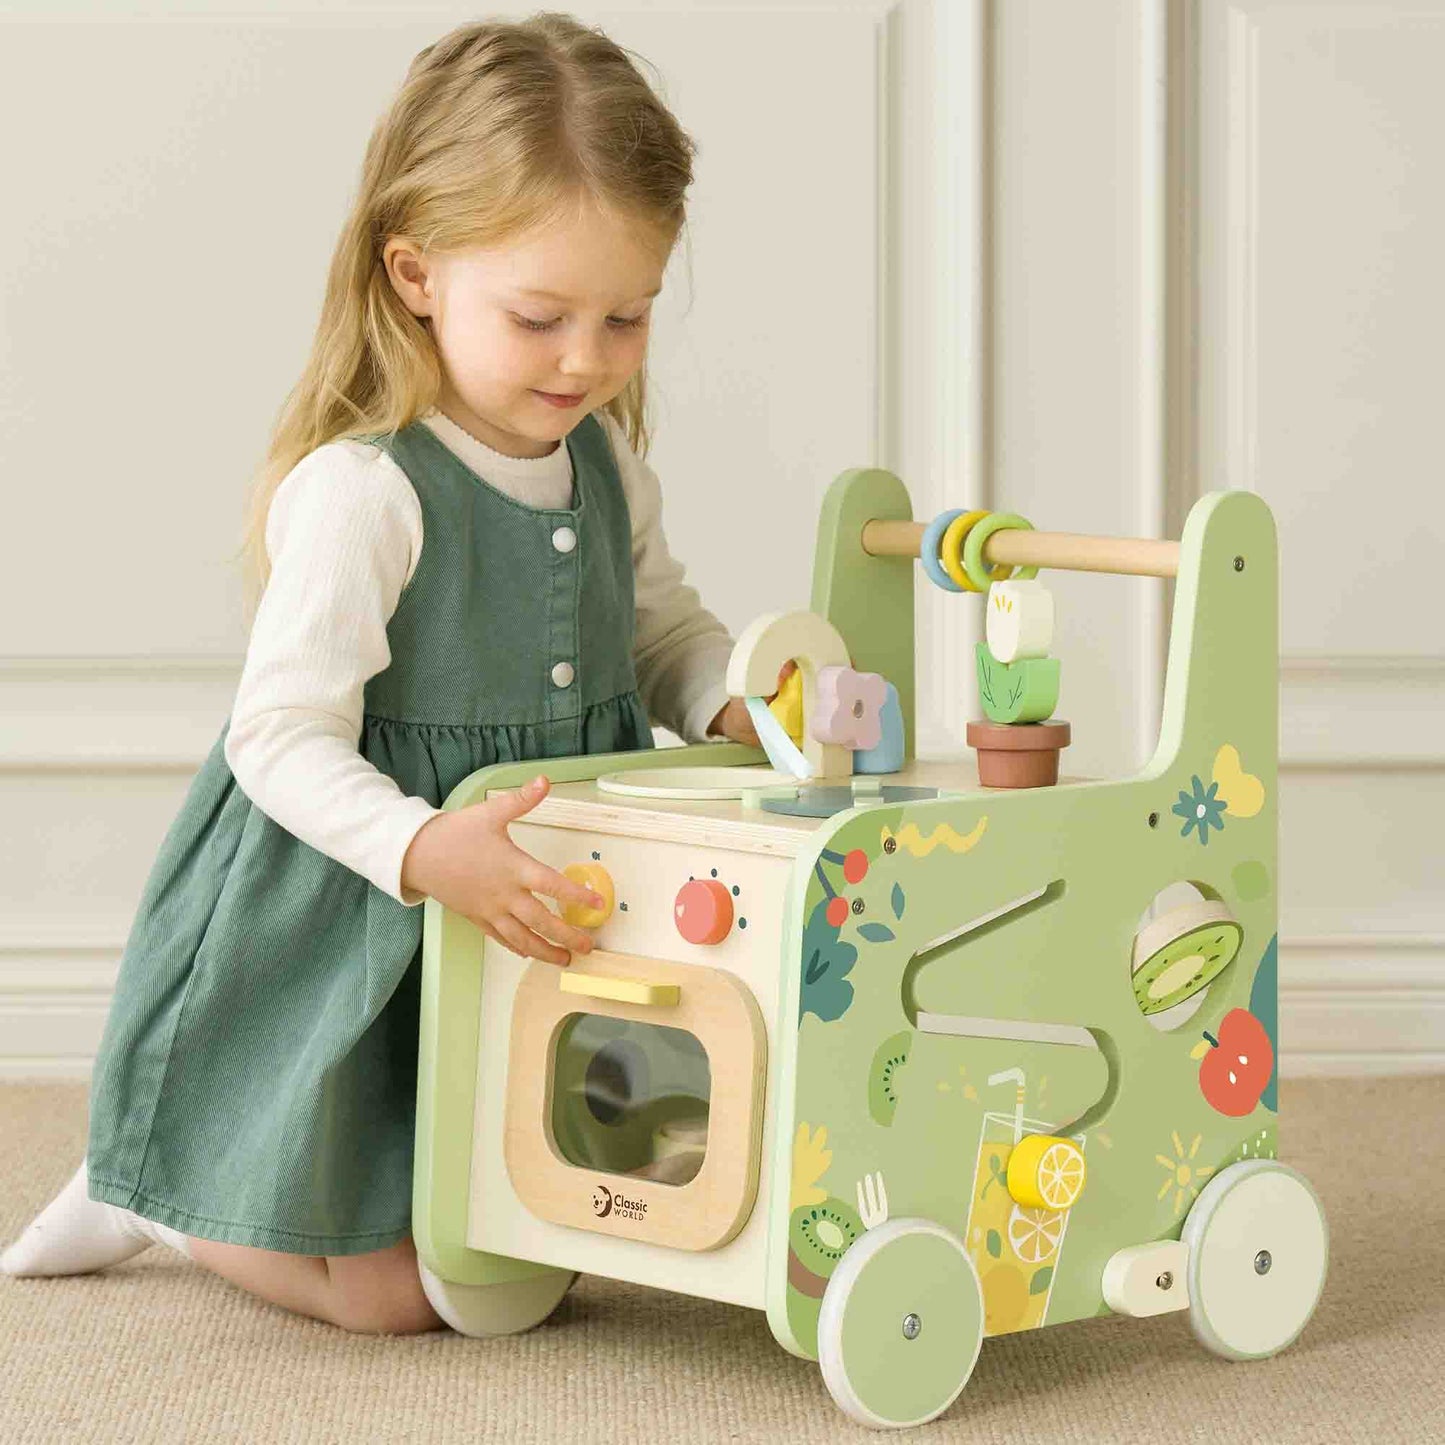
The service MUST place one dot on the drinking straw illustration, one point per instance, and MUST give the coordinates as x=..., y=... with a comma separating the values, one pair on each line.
x=1017, y=1075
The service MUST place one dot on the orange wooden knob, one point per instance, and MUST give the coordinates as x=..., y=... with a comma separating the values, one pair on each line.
x=703, y=910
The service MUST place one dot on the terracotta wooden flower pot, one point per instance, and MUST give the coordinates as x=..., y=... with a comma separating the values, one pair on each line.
x=1018, y=755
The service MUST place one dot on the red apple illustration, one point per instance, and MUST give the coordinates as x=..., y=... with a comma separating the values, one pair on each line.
x=1237, y=1066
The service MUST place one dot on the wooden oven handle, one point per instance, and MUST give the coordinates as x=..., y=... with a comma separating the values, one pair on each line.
x=619, y=990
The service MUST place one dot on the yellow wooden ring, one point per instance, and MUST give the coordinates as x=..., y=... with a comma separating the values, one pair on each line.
x=950, y=549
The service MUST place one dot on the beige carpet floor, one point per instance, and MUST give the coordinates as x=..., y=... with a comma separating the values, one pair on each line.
x=159, y=1350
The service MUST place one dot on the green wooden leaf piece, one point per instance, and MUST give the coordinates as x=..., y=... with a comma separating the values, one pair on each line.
x=1017, y=692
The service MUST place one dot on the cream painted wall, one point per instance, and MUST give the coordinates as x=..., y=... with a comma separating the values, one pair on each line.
x=1081, y=261
x=1319, y=226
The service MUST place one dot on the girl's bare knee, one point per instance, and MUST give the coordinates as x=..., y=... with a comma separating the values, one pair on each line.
x=380, y=1293
x=385, y=1316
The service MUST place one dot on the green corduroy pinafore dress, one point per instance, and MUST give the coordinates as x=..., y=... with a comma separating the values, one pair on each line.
x=256, y=1081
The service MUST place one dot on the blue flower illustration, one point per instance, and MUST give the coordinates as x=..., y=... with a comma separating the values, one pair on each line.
x=1203, y=811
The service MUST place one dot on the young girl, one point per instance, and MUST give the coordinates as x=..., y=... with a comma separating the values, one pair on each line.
x=463, y=563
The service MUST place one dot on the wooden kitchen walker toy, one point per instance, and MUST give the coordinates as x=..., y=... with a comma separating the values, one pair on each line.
x=900, y=1053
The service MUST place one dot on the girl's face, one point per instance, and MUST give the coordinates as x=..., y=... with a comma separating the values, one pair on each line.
x=565, y=310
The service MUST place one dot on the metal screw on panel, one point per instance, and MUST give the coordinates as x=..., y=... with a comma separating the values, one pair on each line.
x=912, y=1325
x=1239, y=564
x=1153, y=820
x=1165, y=1280
x=1262, y=1262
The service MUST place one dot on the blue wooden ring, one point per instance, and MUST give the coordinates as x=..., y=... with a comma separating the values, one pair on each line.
x=928, y=550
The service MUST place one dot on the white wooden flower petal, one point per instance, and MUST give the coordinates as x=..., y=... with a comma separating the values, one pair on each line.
x=1020, y=620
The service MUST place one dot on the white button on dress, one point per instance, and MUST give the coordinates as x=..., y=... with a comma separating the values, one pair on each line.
x=564, y=539
x=563, y=673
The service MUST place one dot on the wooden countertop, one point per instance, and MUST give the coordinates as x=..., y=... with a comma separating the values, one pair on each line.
x=723, y=822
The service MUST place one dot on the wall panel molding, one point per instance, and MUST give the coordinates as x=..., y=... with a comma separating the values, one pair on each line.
x=112, y=714
x=1364, y=713
x=936, y=364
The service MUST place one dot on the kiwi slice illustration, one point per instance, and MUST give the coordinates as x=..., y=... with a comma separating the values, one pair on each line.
x=1183, y=951
x=888, y=1060
x=818, y=1237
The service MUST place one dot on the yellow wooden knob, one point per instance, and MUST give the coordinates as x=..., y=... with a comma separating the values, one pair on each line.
x=599, y=880
x=1045, y=1172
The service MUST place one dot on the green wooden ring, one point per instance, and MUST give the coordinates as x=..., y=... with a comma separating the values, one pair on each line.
x=978, y=534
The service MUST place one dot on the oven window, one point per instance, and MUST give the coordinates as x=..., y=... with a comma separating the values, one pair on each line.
x=630, y=1098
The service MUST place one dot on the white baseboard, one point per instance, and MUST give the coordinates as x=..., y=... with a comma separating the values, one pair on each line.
x=1350, y=1005
x=1365, y=1003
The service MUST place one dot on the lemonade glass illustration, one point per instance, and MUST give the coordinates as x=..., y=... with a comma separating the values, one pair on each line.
x=1015, y=1248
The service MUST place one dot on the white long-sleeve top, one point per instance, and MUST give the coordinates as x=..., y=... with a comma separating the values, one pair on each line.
x=344, y=535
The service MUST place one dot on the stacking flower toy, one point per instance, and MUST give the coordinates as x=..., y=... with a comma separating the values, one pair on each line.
x=1018, y=745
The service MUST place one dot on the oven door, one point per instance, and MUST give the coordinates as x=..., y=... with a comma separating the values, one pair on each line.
x=634, y=1098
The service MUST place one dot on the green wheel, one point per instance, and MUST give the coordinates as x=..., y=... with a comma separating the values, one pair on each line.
x=482, y=1310
x=901, y=1324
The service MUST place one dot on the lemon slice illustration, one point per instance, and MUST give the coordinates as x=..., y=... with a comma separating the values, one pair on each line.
x=1046, y=1172
x=1033, y=1235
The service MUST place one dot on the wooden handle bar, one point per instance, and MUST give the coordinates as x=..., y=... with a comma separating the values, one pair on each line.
x=1072, y=551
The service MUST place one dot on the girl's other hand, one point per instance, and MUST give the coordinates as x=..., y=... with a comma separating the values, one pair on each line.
x=734, y=720
x=467, y=861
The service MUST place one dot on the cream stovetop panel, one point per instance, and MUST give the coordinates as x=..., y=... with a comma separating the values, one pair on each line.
x=647, y=873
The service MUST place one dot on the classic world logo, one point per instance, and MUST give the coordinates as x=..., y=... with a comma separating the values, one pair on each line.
x=605, y=1202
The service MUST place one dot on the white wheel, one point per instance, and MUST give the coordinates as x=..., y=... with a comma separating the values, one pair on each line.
x=901, y=1324
x=496, y=1309
x=1258, y=1250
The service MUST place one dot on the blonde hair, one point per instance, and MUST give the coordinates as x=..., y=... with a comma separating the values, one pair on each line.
x=498, y=127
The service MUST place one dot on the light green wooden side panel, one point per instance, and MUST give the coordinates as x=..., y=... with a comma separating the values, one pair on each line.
x=868, y=599
x=451, y=996
x=933, y=1126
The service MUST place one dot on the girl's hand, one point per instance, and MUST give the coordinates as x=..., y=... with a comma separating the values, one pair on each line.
x=466, y=860
x=735, y=722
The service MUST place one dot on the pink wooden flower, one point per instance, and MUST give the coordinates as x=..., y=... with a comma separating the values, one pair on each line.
x=848, y=708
